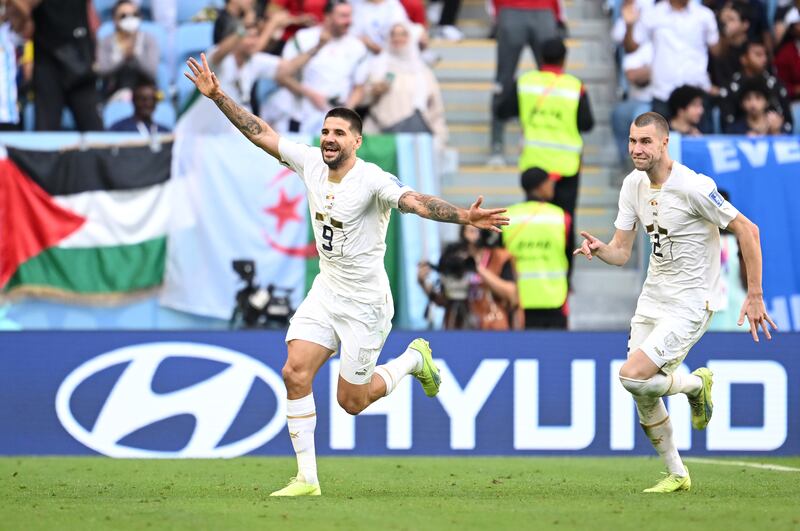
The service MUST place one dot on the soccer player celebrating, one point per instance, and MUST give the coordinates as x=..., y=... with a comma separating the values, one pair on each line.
x=680, y=210
x=350, y=302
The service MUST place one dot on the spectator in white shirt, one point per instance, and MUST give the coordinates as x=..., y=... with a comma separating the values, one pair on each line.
x=373, y=19
x=333, y=77
x=683, y=33
x=637, y=69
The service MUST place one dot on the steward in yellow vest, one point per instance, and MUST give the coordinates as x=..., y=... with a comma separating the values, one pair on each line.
x=537, y=239
x=553, y=109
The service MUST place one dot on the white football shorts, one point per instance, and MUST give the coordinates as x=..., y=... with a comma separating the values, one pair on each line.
x=666, y=339
x=331, y=320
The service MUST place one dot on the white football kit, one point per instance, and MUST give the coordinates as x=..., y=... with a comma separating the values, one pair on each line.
x=350, y=302
x=680, y=293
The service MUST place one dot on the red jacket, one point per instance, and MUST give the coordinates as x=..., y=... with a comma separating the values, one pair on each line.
x=787, y=64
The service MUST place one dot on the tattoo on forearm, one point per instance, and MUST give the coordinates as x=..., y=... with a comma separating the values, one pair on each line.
x=245, y=121
x=429, y=207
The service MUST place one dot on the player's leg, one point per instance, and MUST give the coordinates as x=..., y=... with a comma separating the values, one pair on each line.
x=636, y=376
x=310, y=340
x=363, y=330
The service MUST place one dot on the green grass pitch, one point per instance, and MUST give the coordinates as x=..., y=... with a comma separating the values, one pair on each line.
x=373, y=493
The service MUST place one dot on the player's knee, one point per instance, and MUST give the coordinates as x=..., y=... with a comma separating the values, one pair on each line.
x=631, y=371
x=351, y=404
x=294, y=377
x=639, y=387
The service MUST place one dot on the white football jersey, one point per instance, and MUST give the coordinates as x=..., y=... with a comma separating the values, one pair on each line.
x=683, y=219
x=350, y=219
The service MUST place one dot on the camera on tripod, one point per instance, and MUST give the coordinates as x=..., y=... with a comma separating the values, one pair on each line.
x=258, y=307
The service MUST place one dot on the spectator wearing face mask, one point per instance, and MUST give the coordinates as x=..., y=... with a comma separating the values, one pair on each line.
x=127, y=54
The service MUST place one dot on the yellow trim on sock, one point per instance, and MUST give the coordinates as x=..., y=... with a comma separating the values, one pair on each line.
x=314, y=414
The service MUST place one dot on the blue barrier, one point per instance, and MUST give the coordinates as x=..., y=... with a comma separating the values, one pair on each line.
x=760, y=174
x=206, y=394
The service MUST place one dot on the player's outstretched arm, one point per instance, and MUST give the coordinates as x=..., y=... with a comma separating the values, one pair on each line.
x=431, y=207
x=254, y=128
x=753, y=308
x=616, y=252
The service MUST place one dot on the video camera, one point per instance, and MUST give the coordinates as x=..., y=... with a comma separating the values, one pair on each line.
x=258, y=307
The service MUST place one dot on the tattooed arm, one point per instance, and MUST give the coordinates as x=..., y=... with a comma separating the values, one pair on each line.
x=430, y=207
x=254, y=128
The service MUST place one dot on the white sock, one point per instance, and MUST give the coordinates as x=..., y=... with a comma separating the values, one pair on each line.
x=395, y=370
x=688, y=384
x=657, y=425
x=301, y=420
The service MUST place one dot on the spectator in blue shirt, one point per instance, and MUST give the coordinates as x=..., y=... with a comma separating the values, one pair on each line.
x=145, y=96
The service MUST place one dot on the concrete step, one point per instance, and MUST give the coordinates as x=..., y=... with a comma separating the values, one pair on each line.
x=477, y=154
x=479, y=112
x=479, y=92
x=477, y=134
x=479, y=50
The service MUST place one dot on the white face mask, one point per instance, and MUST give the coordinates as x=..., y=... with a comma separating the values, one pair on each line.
x=130, y=24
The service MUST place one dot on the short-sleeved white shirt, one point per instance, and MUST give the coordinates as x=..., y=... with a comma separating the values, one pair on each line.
x=334, y=71
x=350, y=219
x=643, y=56
x=375, y=19
x=237, y=81
x=683, y=219
x=681, y=38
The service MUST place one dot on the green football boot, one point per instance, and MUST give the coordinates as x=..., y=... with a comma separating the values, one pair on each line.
x=298, y=487
x=428, y=375
x=671, y=483
x=702, y=406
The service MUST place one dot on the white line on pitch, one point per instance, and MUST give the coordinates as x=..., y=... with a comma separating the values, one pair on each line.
x=764, y=466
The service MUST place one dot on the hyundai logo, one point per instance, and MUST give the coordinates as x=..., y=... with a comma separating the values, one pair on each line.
x=132, y=404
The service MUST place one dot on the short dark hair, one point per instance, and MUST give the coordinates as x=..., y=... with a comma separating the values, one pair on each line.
x=682, y=97
x=349, y=115
x=741, y=9
x=331, y=4
x=652, y=118
x=532, y=178
x=757, y=85
x=553, y=51
x=121, y=3
x=753, y=42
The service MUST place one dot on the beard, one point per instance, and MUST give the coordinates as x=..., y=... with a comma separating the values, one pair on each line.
x=338, y=160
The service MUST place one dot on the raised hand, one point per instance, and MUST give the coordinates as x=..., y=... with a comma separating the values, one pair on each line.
x=756, y=313
x=483, y=218
x=203, y=78
x=589, y=247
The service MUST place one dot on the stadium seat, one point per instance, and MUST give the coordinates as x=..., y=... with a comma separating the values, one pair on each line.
x=165, y=114
x=103, y=8
x=193, y=38
x=114, y=111
x=189, y=8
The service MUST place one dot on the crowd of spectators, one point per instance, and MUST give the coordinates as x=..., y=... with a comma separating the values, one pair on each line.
x=710, y=67
x=92, y=65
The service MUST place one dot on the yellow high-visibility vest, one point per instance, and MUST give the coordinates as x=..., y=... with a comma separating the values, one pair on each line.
x=536, y=237
x=548, y=113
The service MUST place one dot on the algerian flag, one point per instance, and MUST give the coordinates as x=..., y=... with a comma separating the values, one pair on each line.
x=84, y=225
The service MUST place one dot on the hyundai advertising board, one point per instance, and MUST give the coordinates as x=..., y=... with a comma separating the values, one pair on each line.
x=220, y=394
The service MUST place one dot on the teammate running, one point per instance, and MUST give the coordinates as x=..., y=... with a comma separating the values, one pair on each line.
x=350, y=303
x=680, y=210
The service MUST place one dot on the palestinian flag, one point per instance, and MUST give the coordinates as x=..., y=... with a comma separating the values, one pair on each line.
x=84, y=224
